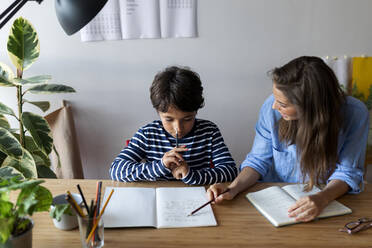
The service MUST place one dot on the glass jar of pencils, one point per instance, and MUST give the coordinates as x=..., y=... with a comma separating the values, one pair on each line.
x=91, y=231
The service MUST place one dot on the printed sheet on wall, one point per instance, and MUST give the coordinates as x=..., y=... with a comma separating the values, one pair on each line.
x=141, y=19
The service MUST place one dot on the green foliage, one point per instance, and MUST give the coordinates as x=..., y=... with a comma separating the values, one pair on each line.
x=359, y=95
x=59, y=210
x=31, y=198
x=26, y=151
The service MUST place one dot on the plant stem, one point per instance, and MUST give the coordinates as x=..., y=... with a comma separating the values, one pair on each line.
x=20, y=105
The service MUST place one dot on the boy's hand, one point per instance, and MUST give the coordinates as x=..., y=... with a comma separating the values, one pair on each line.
x=181, y=170
x=172, y=159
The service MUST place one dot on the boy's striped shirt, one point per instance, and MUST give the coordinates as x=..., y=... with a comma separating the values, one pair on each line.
x=208, y=158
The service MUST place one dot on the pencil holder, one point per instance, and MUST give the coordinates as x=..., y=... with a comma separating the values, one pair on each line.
x=68, y=219
x=86, y=225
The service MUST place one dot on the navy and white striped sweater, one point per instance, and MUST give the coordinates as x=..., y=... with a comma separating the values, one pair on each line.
x=208, y=157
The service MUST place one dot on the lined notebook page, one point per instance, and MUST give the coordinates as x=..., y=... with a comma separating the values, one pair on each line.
x=273, y=203
x=174, y=204
x=334, y=208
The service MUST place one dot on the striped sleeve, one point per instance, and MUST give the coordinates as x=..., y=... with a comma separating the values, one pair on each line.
x=127, y=166
x=223, y=169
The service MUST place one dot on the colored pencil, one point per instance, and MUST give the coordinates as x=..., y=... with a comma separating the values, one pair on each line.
x=99, y=217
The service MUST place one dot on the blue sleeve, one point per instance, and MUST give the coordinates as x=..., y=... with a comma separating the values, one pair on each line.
x=223, y=169
x=261, y=156
x=351, y=156
x=127, y=166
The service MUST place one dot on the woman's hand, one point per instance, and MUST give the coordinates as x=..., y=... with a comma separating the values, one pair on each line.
x=173, y=158
x=214, y=193
x=308, y=208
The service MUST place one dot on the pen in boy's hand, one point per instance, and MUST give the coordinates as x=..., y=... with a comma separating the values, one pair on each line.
x=209, y=202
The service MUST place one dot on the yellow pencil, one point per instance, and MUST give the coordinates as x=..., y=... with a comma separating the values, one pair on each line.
x=99, y=217
x=80, y=211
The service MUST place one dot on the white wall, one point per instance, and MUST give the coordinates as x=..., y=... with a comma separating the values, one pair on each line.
x=239, y=41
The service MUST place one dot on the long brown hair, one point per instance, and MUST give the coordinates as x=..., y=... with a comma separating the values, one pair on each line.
x=312, y=87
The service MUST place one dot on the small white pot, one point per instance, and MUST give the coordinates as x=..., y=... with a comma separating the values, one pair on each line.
x=68, y=222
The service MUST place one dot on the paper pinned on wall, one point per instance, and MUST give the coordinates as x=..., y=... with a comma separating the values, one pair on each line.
x=138, y=19
x=105, y=26
x=178, y=18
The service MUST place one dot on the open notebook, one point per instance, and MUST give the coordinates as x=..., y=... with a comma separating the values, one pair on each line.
x=157, y=207
x=273, y=203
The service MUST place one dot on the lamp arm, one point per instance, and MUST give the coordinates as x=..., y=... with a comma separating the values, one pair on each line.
x=14, y=7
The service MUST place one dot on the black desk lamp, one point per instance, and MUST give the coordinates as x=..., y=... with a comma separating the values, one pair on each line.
x=72, y=14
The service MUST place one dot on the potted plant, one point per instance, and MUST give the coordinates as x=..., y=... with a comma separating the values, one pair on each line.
x=64, y=217
x=15, y=222
x=26, y=149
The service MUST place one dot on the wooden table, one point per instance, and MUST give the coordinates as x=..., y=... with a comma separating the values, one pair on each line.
x=239, y=225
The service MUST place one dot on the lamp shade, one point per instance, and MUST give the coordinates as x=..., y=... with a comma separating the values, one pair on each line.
x=75, y=14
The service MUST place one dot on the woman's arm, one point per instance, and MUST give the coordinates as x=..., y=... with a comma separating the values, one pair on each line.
x=309, y=207
x=246, y=178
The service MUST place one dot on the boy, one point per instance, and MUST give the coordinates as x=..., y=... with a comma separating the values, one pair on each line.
x=179, y=146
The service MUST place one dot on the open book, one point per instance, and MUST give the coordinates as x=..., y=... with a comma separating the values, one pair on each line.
x=157, y=207
x=274, y=202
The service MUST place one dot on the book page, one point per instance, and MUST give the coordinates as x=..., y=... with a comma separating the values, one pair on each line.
x=130, y=207
x=174, y=204
x=334, y=208
x=273, y=203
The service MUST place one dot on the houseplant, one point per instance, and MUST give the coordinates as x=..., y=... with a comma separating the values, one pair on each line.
x=26, y=149
x=15, y=224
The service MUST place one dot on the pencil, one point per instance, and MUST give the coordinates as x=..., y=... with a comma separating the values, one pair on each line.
x=176, y=137
x=205, y=204
x=98, y=204
x=99, y=217
x=68, y=199
x=82, y=196
x=76, y=206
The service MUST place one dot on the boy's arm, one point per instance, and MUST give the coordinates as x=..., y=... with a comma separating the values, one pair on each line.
x=223, y=168
x=127, y=166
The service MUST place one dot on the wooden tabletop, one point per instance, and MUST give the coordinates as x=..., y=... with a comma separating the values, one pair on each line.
x=239, y=225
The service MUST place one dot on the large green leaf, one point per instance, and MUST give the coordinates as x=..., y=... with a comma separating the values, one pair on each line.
x=6, y=75
x=58, y=157
x=6, y=227
x=26, y=165
x=4, y=122
x=15, y=184
x=6, y=110
x=43, y=105
x=2, y=158
x=9, y=144
x=8, y=172
x=23, y=44
x=45, y=172
x=41, y=158
x=51, y=88
x=30, y=144
x=42, y=79
x=39, y=130
x=32, y=200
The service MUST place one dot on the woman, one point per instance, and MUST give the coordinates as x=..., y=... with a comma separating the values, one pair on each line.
x=308, y=131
